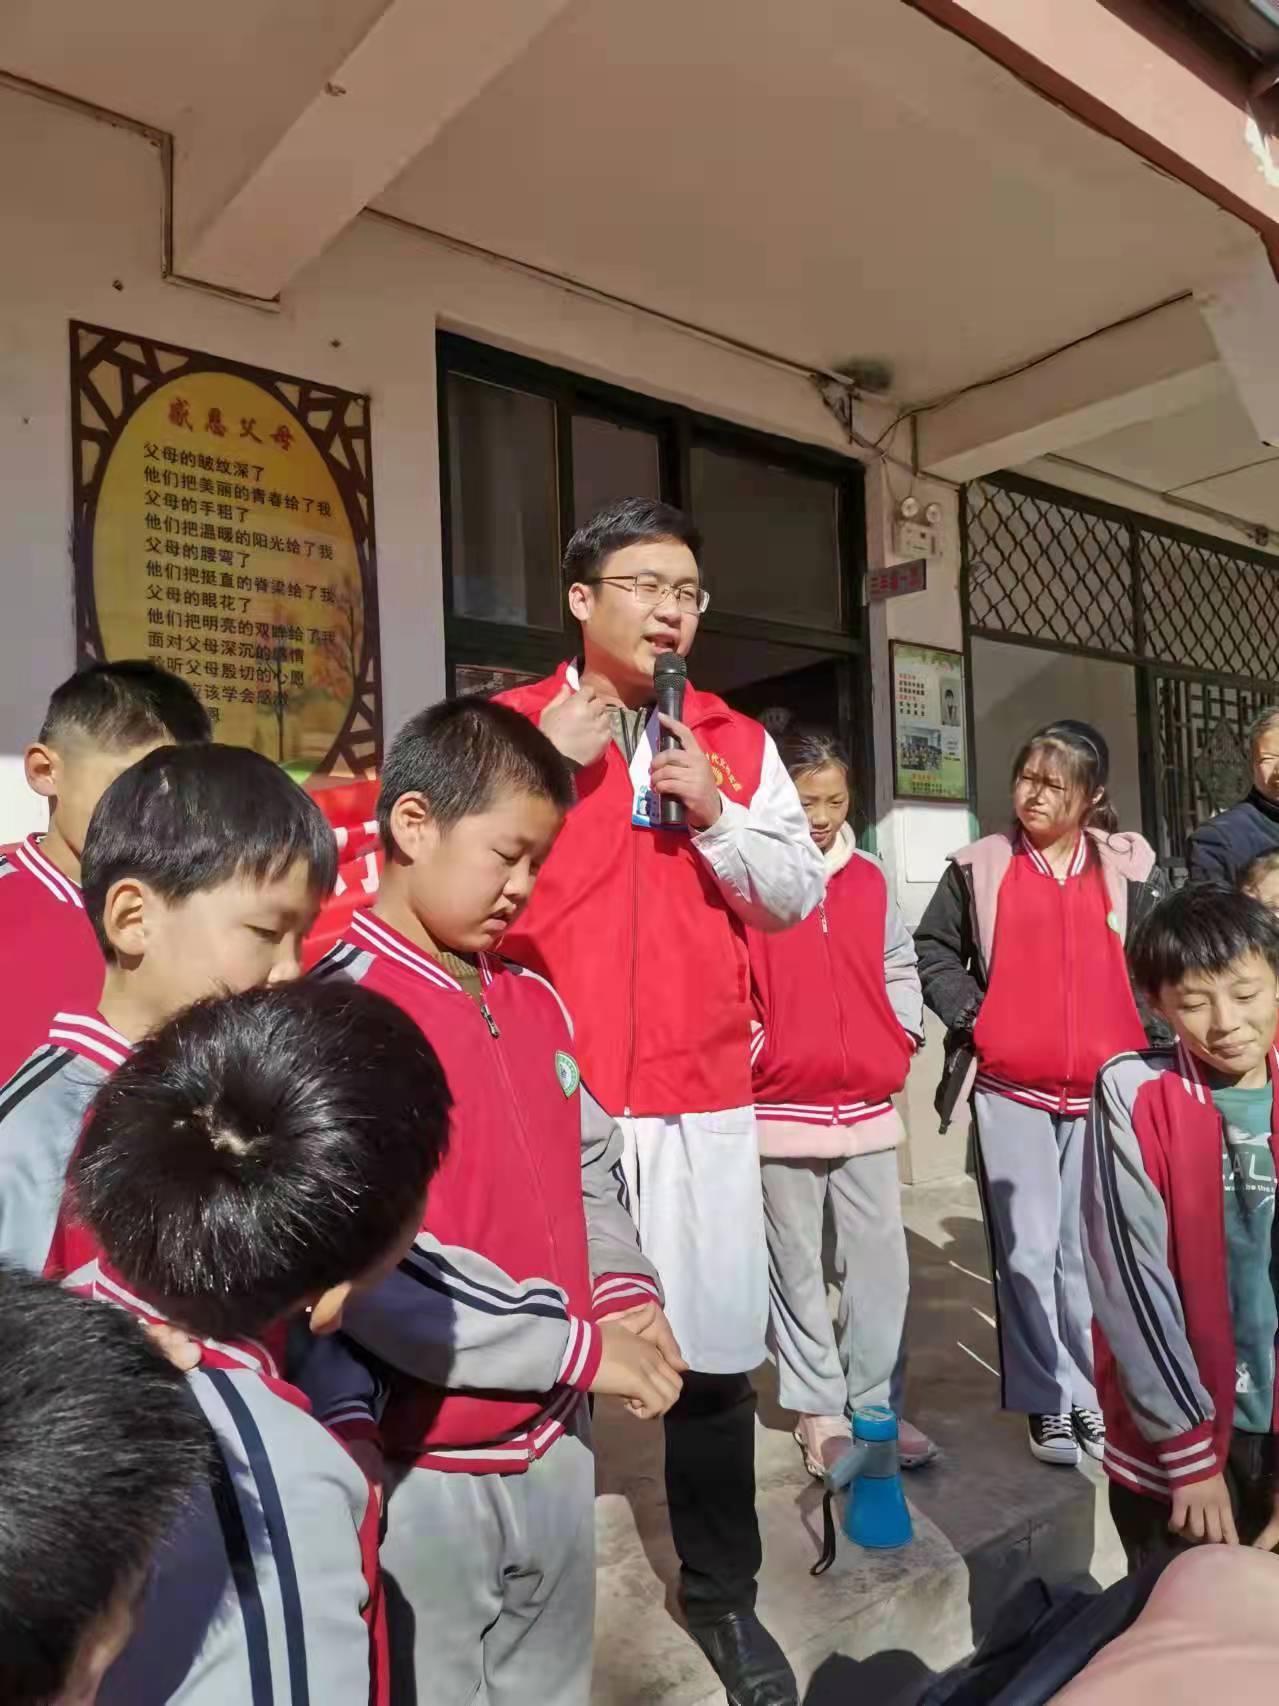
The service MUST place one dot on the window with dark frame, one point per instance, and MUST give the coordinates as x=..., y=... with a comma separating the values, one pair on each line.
x=530, y=452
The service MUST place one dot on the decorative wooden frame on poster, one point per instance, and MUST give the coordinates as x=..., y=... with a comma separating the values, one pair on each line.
x=112, y=374
x=901, y=650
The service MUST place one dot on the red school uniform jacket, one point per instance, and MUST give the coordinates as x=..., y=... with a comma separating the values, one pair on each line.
x=268, y=1588
x=485, y=1336
x=50, y=960
x=636, y=928
x=833, y=1043
x=1158, y=1271
x=1060, y=1004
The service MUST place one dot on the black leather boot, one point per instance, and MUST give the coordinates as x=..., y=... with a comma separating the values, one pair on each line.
x=747, y=1660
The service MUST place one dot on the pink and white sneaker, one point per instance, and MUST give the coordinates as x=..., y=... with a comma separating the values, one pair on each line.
x=914, y=1449
x=823, y=1441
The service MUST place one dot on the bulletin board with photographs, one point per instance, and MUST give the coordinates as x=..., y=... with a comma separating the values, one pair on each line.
x=223, y=526
x=930, y=750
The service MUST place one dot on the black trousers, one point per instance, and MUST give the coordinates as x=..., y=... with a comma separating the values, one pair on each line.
x=710, y=1491
x=1142, y=1521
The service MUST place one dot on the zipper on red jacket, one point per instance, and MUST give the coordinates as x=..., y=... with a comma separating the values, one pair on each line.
x=1068, y=966
x=833, y=981
x=631, y=1005
x=517, y=1110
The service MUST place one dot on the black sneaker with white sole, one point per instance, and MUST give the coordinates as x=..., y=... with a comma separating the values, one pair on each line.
x=1090, y=1431
x=1052, y=1440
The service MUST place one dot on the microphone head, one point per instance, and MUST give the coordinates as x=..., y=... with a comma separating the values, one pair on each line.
x=671, y=666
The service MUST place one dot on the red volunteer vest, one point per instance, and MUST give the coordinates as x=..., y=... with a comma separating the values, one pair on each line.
x=632, y=930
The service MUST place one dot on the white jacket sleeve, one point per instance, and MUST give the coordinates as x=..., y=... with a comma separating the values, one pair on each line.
x=762, y=856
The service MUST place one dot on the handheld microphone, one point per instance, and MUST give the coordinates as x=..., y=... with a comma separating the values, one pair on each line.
x=670, y=677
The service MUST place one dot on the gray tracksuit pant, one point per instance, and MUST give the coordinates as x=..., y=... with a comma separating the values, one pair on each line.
x=826, y=1370
x=490, y=1582
x=1030, y=1173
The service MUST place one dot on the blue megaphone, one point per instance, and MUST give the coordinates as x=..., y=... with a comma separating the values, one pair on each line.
x=875, y=1513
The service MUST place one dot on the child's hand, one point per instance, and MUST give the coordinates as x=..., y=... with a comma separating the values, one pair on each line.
x=635, y=1370
x=648, y=1322
x=1203, y=1512
x=1268, y=1539
x=179, y=1347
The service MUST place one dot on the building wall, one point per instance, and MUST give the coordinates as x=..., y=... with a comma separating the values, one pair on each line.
x=80, y=232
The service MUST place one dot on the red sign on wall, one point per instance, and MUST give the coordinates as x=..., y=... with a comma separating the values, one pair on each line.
x=893, y=582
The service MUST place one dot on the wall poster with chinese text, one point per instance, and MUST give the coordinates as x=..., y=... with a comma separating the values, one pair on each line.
x=929, y=751
x=223, y=526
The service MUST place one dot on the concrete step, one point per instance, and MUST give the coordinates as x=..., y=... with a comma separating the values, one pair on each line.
x=877, y=1626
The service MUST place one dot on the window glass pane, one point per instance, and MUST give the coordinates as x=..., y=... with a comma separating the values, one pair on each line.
x=502, y=504
x=772, y=538
x=611, y=462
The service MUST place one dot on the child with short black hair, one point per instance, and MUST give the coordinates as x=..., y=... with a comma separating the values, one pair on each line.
x=100, y=1450
x=99, y=722
x=261, y=1155
x=1260, y=879
x=1179, y=1210
x=490, y=1502
x=204, y=867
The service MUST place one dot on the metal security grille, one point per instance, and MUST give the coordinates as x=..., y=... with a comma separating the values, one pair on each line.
x=1202, y=747
x=1209, y=609
x=1047, y=571
x=1199, y=621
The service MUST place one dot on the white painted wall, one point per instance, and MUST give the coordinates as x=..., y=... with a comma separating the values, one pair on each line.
x=80, y=236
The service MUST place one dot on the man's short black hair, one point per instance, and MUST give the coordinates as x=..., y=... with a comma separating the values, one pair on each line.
x=633, y=521
x=260, y=1148
x=121, y=705
x=463, y=753
x=188, y=818
x=100, y=1447
x=1201, y=928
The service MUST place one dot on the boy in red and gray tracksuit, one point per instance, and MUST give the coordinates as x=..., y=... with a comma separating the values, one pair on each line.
x=1179, y=1220
x=99, y=722
x=269, y=1587
x=142, y=831
x=477, y=1354
x=246, y=1168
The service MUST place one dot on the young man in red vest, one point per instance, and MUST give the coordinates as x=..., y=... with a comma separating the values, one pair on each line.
x=643, y=931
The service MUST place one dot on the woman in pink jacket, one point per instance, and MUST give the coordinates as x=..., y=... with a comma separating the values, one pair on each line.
x=838, y=1016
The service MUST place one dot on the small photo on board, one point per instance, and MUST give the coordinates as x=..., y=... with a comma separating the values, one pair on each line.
x=930, y=759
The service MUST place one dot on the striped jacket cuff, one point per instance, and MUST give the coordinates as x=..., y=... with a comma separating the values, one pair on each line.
x=615, y=1293
x=582, y=1355
x=1189, y=1457
x=354, y=1426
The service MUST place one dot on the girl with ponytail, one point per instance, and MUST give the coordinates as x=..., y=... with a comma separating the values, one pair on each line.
x=1021, y=955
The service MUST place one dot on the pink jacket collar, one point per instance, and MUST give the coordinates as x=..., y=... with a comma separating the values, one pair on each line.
x=1124, y=858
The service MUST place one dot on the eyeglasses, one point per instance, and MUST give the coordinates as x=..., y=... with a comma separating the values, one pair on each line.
x=650, y=592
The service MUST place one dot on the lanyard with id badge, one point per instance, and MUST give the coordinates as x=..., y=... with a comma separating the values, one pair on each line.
x=646, y=803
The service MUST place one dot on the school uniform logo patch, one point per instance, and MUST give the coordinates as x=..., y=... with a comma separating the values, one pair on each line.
x=567, y=1073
